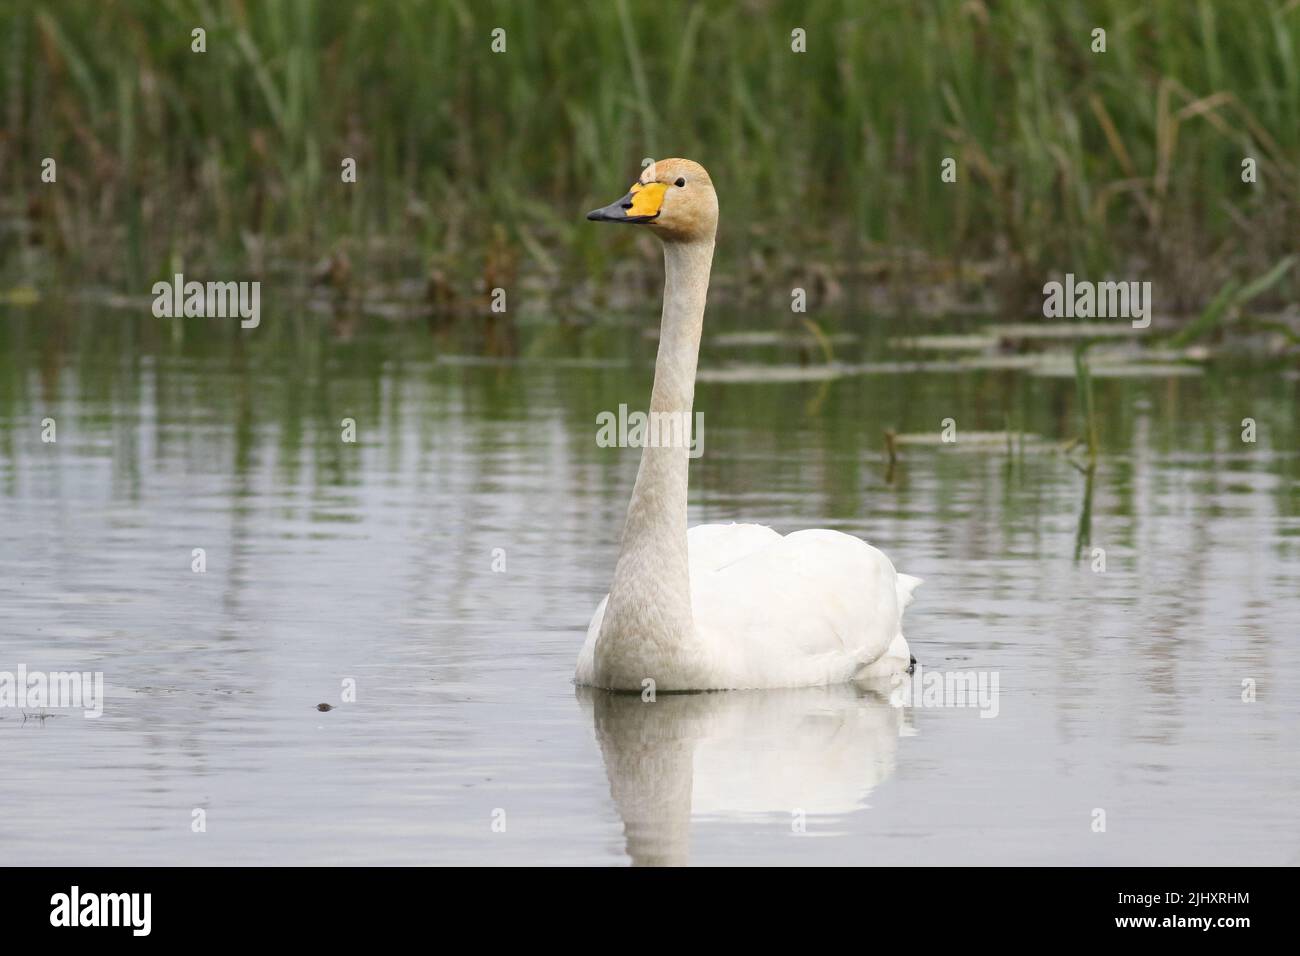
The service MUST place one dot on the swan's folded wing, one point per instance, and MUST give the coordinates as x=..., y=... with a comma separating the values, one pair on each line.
x=714, y=546
x=810, y=607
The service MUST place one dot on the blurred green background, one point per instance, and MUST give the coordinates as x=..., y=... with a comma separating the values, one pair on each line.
x=474, y=167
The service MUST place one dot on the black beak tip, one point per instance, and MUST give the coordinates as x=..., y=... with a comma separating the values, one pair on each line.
x=615, y=212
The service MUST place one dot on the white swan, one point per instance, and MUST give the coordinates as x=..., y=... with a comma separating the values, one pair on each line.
x=725, y=606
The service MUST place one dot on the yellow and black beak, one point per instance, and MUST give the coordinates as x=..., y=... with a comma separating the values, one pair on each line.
x=642, y=204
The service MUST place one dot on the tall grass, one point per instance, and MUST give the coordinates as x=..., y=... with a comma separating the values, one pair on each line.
x=1066, y=159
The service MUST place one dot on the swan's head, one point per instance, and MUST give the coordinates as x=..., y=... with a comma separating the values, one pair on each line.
x=673, y=197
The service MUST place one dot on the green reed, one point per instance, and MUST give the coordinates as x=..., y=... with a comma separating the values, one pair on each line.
x=1066, y=159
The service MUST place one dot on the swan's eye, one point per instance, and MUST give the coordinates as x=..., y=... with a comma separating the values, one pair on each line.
x=680, y=181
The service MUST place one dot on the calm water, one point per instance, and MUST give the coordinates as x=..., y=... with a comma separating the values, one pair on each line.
x=374, y=562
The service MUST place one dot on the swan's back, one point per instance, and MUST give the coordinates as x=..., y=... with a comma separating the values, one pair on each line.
x=812, y=607
x=714, y=546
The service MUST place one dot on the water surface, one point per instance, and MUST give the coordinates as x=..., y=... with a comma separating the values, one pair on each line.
x=327, y=561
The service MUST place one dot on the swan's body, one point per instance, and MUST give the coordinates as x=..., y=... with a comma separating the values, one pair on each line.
x=725, y=606
x=813, y=607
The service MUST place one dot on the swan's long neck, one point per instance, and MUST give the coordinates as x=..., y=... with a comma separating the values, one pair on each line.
x=648, y=624
x=656, y=515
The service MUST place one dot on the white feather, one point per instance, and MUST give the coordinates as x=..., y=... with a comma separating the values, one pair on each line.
x=810, y=608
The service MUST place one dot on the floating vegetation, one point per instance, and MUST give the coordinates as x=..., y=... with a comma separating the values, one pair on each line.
x=1008, y=347
x=1123, y=370
x=947, y=343
x=777, y=374
x=759, y=338
x=1132, y=364
x=1061, y=330
x=524, y=361
x=973, y=440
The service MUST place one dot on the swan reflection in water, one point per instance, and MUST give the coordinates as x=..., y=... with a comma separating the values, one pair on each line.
x=819, y=750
